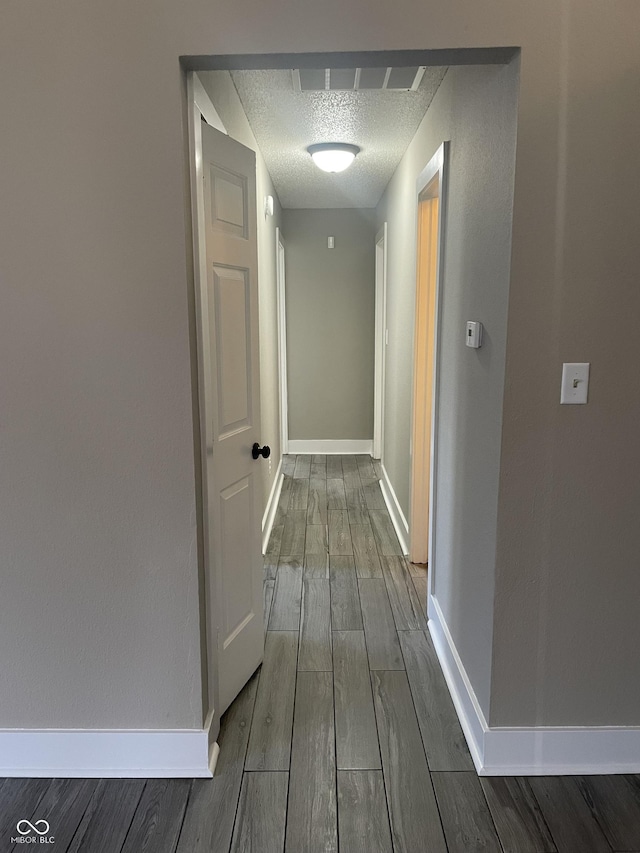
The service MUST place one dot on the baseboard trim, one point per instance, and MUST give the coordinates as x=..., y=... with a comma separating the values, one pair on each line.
x=329, y=446
x=529, y=751
x=464, y=698
x=272, y=506
x=400, y=523
x=214, y=753
x=109, y=754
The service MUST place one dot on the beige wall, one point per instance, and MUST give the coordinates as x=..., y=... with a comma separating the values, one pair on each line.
x=567, y=585
x=330, y=323
x=220, y=88
x=475, y=109
x=97, y=509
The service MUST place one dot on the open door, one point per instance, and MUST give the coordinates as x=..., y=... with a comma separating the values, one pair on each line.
x=232, y=405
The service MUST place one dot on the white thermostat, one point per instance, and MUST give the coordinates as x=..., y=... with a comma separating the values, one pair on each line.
x=474, y=334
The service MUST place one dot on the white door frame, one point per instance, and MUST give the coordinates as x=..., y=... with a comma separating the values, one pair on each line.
x=199, y=105
x=380, y=342
x=436, y=167
x=282, y=340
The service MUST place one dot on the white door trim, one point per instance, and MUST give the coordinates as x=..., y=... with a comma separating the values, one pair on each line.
x=438, y=163
x=282, y=341
x=398, y=519
x=196, y=99
x=272, y=506
x=380, y=341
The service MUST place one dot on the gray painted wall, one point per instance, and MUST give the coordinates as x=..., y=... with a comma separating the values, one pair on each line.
x=97, y=510
x=330, y=323
x=475, y=108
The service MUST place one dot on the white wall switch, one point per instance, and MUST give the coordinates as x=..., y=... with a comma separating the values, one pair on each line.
x=330, y=243
x=474, y=334
x=575, y=383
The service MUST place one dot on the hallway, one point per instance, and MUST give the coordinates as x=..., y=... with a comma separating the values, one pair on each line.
x=352, y=682
x=346, y=740
x=351, y=701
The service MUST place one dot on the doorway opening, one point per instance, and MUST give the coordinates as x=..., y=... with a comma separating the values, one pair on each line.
x=381, y=342
x=402, y=375
x=282, y=340
x=431, y=199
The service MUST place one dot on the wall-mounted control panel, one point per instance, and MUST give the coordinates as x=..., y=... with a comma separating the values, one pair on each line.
x=473, y=334
x=575, y=383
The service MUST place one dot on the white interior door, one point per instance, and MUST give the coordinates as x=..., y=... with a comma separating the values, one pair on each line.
x=233, y=410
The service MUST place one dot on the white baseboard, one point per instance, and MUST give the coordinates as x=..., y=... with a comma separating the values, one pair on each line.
x=214, y=754
x=464, y=698
x=115, y=753
x=397, y=516
x=529, y=751
x=329, y=446
x=272, y=506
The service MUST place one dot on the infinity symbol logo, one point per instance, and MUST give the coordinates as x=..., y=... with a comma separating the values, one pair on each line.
x=32, y=827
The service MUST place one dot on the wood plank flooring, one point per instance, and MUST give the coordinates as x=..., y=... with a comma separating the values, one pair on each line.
x=346, y=739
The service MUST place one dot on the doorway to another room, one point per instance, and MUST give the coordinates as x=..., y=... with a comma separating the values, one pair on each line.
x=431, y=195
x=351, y=318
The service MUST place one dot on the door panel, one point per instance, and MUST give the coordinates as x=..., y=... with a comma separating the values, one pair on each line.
x=233, y=418
x=229, y=202
x=233, y=348
x=236, y=507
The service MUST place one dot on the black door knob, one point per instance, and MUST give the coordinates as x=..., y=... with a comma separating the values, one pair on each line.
x=256, y=451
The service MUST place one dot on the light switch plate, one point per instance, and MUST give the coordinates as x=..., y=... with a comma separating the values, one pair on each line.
x=575, y=383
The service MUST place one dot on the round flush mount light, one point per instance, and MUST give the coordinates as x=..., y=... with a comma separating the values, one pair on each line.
x=333, y=156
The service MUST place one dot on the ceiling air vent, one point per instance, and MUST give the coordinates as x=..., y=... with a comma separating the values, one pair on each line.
x=357, y=79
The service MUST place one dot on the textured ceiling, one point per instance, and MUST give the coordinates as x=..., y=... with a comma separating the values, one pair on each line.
x=285, y=122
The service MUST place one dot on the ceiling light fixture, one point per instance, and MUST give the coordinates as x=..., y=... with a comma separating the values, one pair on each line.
x=333, y=156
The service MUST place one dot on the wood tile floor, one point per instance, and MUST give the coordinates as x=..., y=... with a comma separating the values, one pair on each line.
x=346, y=740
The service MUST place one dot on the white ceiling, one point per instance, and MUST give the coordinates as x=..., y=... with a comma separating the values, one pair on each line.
x=285, y=122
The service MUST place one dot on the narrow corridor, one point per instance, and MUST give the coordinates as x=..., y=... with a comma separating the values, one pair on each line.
x=347, y=739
